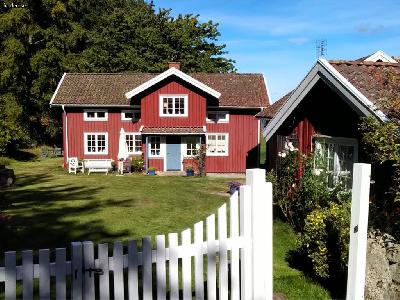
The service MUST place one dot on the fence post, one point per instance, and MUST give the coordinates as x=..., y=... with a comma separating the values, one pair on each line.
x=76, y=270
x=358, y=232
x=261, y=202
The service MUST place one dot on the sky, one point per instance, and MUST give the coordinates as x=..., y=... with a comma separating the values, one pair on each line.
x=278, y=38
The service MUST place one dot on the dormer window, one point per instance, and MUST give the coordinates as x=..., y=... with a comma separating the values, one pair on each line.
x=217, y=117
x=130, y=115
x=95, y=115
x=174, y=105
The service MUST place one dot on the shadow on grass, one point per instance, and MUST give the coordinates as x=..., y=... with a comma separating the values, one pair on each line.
x=21, y=155
x=41, y=215
x=335, y=284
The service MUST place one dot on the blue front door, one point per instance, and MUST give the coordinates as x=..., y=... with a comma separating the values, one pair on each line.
x=173, y=153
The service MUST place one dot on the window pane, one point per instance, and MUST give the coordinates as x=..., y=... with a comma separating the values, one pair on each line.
x=128, y=115
x=90, y=114
x=101, y=114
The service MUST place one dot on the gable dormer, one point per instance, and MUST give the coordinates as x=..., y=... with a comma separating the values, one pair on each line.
x=380, y=56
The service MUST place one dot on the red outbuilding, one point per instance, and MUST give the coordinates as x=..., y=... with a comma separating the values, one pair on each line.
x=165, y=117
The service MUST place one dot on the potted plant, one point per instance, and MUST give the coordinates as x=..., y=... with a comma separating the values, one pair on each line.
x=189, y=170
x=151, y=171
x=233, y=187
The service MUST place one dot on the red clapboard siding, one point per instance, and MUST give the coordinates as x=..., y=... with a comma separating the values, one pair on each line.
x=158, y=163
x=305, y=132
x=77, y=127
x=243, y=141
x=151, y=111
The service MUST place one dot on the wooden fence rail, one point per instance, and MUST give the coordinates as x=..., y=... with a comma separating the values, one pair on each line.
x=237, y=266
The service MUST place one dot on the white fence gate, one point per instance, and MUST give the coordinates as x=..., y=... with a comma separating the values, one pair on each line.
x=237, y=266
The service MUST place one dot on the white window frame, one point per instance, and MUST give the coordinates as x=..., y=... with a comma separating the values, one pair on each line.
x=96, y=118
x=174, y=96
x=226, y=146
x=226, y=120
x=162, y=146
x=134, y=146
x=338, y=141
x=134, y=111
x=184, y=145
x=96, y=139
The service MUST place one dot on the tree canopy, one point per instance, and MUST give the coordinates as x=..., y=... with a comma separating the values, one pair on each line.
x=42, y=39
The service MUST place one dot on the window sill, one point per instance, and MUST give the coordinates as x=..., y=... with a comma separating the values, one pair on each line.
x=174, y=116
x=95, y=120
x=217, y=154
x=96, y=153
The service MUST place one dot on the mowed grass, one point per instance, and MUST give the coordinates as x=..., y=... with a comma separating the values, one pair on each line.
x=51, y=208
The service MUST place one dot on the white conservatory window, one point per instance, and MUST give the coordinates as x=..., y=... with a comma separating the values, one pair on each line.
x=217, y=117
x=336, y=156
x=95, y=115
x=174, y=105
x=96, y=143
x=217, y=144
x=155, y=146
x=192, y=144
x=134, y=143
x=130, y=115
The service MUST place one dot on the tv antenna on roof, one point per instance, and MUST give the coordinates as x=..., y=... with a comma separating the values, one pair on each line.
x=321, y=47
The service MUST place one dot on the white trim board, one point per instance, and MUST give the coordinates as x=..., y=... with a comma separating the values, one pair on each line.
x=170, y=72
x=56, y=91
x=173, y=96
x=381, y=56
x=325, y=71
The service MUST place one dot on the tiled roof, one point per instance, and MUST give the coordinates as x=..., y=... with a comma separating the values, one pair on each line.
x=271, y=111
x=237, y=90
x=375, y=80
x=173, y=130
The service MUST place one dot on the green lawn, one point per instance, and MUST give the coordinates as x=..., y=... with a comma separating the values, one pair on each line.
x=52, y=208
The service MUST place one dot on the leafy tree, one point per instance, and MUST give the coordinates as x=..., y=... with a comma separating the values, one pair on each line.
x=382, y=142
x=41, y=39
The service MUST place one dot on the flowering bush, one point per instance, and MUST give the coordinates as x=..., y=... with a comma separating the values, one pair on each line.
x=320, y=214
x=325, y=238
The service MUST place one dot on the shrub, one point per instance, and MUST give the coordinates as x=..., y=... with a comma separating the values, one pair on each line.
x=325, y=238
x=137, y=164
x=319, y=213
x=4, y=161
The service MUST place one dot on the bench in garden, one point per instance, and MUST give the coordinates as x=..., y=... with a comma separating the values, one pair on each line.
x=97, y=165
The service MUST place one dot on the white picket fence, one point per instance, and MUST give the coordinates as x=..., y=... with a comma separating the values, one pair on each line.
x=238, y=266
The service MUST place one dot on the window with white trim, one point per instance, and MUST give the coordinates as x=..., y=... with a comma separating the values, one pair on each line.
x=336, y=156
x=130, y=115
x=96, y=143
x=217, y=117
x=192, y=144
x=174, y=105
x=134, y=143
x=95, y=115
x=155, y=146
x=217, y=144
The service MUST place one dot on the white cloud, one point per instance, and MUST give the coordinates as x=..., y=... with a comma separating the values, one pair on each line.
x=298, y=40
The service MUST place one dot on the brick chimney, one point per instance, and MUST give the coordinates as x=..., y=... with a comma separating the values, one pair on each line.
x=174, y=64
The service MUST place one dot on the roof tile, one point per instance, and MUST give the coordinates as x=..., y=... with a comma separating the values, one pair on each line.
x=237, y=90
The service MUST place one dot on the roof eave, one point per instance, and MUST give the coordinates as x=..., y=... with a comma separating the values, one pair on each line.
x=170, y=72
x=304, y=87
x=56, y=91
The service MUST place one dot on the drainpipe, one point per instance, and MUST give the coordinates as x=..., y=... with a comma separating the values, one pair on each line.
x=66, y=131
x=147, y=154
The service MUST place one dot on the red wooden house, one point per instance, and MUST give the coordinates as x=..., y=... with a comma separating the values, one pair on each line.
x=324, y=111
x=166, y=117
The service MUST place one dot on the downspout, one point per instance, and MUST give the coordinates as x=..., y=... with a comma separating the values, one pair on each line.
x=258, y=143
x=147, y=154
x=66, y=132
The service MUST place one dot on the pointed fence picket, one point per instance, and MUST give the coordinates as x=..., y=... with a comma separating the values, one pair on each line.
x=141, y=272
